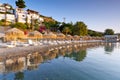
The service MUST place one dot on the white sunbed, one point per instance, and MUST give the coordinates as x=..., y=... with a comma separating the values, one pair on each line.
x=5, y=45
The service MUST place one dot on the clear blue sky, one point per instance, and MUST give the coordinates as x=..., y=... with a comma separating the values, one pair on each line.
x=96, y=14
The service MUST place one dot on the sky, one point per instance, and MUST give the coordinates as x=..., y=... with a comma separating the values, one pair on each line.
x=96, y=14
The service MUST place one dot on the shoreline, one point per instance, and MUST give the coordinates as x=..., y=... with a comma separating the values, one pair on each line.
x=39, y=48
x=20, y=50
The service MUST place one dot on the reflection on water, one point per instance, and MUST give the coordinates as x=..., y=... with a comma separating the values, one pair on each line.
x=77, y=56
x=19, y=76
x=32, y=61
x=14, y=64
x=109, y=47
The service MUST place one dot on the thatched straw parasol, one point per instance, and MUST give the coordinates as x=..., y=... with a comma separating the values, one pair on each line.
x=60, y=36
x=76, y=37
x=35, y=35
x=13, y=34
x=69, y=37
x=85, y=37
x=49, y=36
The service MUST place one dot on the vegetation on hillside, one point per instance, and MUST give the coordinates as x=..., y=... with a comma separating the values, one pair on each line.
x=79, y=28
x=19, y=25
x=47, y=19
x=66, y=30
x=4, y=23
x=95, y=33
x=109, y=32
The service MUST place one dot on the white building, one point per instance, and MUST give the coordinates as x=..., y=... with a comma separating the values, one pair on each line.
x=27, y=16
x=19, y=15
x=111, y=38
x=32, y=15
x=6, y=8
x=9, y=17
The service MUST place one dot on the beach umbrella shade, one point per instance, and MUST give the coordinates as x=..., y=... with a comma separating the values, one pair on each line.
x=76, y=37
x=35, y=35
x=60, y=36
x=69, y=37
x=85, y=37
x=49, y=36
x=14, y=33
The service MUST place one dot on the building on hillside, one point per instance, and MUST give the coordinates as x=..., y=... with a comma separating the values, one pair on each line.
x=6, y=11
x=18, y=14
x=6, y=8
x=41, y=19
x=111, y=38
x=27, y=16
x=33, y=15
x=10, y=17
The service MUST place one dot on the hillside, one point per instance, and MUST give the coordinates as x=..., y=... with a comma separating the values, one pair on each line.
x=48, y=19
x=95, y=33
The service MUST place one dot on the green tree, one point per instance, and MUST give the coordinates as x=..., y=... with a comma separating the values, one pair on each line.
x=20, y=4
x=55, y=26
x=52, y=25
x=48, y=24
x=36, y=25
x=80, y=29
x=69, y=25
x=95, y=33
x=66, y=30
x=109, y=32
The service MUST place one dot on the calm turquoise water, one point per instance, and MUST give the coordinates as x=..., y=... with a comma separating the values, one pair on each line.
x=95, y=63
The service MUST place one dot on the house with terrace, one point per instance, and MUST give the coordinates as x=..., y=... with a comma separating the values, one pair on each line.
x=18, y=15
x=6, y=12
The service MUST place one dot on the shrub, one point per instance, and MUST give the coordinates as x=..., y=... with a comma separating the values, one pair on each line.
x=0, y=23
x=19, y=26
x=3, y=20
